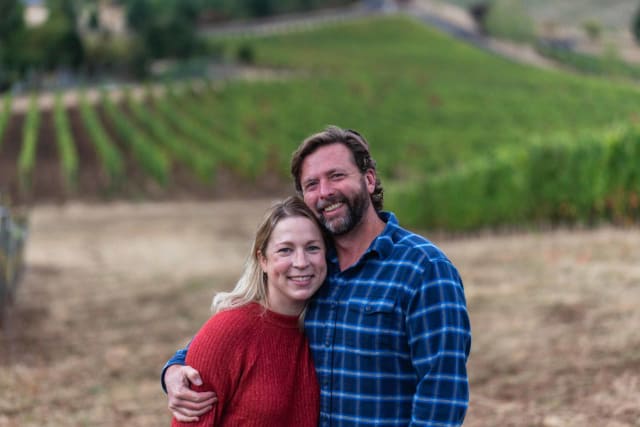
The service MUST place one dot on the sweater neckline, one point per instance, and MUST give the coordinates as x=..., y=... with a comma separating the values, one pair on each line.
x=274, y=318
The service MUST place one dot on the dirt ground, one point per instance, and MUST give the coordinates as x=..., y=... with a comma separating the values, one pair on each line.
x=112, y=290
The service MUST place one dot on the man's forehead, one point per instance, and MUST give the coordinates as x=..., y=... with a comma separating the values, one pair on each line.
x=332, y=156
x=319, y=169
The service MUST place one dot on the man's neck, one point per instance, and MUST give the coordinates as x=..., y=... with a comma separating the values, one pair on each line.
x=351, y=246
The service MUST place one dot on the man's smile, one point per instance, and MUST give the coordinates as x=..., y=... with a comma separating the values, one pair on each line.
x=332, y=207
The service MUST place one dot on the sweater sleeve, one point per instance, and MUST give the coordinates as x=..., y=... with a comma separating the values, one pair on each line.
x=213, y=353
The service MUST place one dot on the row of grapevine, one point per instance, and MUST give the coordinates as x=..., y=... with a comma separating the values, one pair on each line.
x=194, y=158
x=27, y=159
x=201, y=121
x=5, y=114
x=149, y=156
x=559, y=180
x=66, y=146
x=110, y=156
x=179, y=109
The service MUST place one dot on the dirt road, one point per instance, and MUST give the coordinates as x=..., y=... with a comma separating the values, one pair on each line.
x=112, y=290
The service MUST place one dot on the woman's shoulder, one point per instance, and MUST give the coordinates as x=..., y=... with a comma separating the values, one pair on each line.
x=237, y=319
x=227, y=329
x=250, y=311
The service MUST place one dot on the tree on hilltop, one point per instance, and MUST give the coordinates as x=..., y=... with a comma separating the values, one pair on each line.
x=635, y=25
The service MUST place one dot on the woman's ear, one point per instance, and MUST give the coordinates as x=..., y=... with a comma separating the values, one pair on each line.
x=262, y=260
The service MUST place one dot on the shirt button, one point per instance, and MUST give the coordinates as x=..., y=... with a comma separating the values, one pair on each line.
x=334, y=305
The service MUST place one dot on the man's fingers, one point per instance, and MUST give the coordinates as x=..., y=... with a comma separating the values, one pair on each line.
x=194, y=400
x=183, y=419
x=187, y=411
x=192, y=375
x=187, y=415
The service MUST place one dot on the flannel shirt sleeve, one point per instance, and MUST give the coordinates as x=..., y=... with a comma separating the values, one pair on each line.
x=439, y=334
x=177, y=359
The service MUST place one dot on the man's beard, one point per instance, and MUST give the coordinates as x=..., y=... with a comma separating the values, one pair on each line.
x=356, y=208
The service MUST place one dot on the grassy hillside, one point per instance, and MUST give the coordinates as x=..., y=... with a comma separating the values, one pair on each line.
x=427, y=103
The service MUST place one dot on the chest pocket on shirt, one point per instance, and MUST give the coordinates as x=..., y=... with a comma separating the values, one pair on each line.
x=375, y=325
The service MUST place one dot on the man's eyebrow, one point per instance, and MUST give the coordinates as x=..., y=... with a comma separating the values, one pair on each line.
x=310, y=178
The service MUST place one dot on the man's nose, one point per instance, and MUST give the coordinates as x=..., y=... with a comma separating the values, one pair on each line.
x=326, y=189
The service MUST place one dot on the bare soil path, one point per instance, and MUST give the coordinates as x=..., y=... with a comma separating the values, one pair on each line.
x=112, y=290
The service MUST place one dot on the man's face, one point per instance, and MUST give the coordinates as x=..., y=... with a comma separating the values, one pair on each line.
x=335, y=189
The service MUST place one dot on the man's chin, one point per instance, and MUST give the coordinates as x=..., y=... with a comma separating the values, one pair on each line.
x=337, y=227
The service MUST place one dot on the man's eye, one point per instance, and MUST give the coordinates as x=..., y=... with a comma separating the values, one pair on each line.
x=310, y=186
x=337, y=176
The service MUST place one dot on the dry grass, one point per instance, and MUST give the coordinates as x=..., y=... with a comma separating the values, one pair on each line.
x=113, y=290
x=555, y=327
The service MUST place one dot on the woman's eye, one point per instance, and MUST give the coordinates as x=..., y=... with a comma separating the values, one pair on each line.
x=284, y=251
x=314, y=248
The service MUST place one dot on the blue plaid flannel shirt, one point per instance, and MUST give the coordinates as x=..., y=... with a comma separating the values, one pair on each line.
x=390, y=337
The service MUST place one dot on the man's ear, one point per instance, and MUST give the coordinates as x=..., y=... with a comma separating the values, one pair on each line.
x=370, y=180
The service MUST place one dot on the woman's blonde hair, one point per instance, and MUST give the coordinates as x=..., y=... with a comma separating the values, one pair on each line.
x=252, y=285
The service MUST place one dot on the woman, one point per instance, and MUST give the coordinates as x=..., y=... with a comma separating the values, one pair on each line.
x=252, y=352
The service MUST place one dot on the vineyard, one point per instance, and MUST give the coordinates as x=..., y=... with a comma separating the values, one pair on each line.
x=120, y=145
x=438, y=114
x=464, y=140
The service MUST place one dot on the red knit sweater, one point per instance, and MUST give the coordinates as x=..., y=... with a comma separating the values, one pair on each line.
x=259, y=364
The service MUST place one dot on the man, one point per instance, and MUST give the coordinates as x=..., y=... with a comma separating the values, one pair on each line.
x=389, y=330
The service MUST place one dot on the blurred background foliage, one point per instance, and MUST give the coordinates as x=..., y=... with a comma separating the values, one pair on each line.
x=91, y=38
x=465, y=139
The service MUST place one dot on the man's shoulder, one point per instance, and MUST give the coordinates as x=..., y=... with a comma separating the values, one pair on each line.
x=408, y=244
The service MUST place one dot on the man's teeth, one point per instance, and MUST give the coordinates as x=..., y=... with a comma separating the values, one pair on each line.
x=332, y=207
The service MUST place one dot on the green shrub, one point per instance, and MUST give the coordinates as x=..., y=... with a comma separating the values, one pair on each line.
x=593, y=29
x=246, y=54
x=509, y=19
x=635, y=25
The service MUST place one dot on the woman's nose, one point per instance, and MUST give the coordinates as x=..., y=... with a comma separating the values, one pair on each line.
x=300, y=259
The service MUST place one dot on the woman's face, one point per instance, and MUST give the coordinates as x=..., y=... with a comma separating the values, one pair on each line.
x=294, y=263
